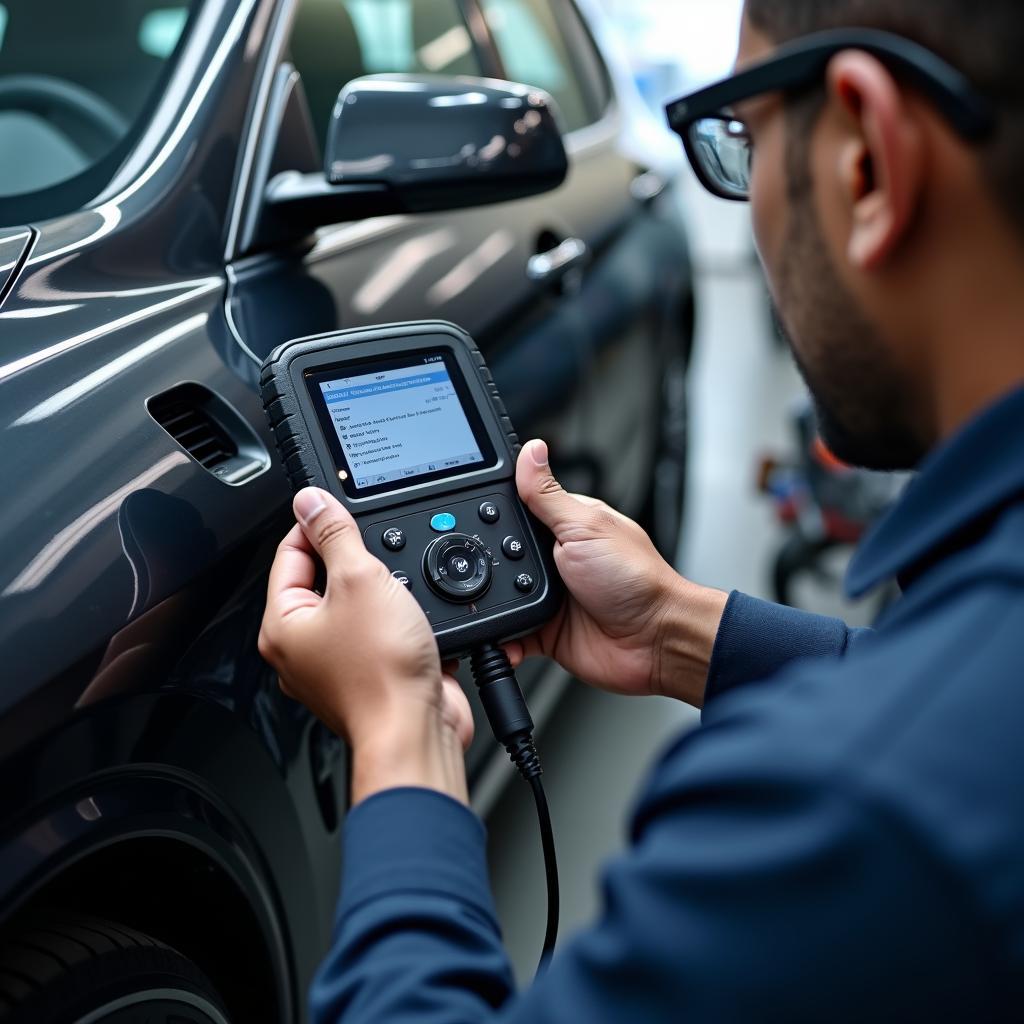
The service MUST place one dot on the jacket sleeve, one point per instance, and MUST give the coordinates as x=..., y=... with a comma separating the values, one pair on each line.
x=749, y=892
x=416, y=938
x=757, y=639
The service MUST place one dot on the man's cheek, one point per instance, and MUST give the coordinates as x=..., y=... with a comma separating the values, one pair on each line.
x=765, y=215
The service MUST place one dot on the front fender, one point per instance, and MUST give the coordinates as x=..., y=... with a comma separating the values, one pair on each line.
x=178, y=768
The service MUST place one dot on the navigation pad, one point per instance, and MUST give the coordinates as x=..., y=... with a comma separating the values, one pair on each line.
x=468, y=569
x=458, y=567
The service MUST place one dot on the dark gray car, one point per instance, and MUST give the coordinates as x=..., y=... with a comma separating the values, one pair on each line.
x=168, y=820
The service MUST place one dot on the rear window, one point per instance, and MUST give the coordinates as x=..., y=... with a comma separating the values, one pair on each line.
x=76, y=80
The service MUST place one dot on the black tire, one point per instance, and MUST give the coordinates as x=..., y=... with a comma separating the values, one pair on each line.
x=66, y=968
x=662, y=516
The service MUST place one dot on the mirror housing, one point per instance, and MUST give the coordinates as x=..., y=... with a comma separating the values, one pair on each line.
x=424, y=143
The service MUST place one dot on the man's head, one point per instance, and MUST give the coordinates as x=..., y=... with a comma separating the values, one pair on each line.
x=886, y=235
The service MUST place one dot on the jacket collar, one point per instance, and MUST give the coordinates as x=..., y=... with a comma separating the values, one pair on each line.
x=965, y=481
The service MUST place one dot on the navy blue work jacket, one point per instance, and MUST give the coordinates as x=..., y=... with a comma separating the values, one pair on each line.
x=841, y=840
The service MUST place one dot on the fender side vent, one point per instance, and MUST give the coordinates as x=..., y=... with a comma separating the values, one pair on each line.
x=194, y=431
x=211, y=432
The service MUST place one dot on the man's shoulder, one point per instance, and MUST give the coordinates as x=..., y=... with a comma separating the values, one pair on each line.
x=919, y=729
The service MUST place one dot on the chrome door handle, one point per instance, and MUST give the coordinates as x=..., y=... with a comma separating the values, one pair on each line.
x=646, y=187
x=551, y=266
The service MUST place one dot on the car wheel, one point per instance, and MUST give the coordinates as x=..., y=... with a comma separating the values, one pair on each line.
x=63, y=967
x=663, y=512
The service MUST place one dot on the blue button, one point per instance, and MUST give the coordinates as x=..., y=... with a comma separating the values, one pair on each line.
x=443, y=522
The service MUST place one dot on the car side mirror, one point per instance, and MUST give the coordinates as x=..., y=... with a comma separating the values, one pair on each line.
x=424, y=143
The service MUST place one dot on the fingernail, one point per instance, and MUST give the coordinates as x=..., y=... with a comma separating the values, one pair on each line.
x=308, y=504
x=539, y=453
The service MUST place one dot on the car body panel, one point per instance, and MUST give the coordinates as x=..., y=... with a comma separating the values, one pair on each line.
x=14, y=245
x=132, y=580
x=115, y=304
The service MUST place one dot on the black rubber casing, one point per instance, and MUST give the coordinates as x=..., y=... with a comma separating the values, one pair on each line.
x=503, y=613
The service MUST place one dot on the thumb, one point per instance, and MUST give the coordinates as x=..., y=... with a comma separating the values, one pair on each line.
x=329, y=528
x=545, y=497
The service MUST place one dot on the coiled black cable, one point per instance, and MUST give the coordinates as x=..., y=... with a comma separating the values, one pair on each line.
x=512, y=725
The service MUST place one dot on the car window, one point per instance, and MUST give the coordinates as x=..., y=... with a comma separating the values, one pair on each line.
x=533, y=50
x=334, y=41
x=74, y=81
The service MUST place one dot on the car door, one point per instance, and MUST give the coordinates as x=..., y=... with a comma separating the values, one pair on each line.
x=467, y=266
x=625, y=300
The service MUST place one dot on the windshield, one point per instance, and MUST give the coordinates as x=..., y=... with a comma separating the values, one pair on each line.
x=77, y=80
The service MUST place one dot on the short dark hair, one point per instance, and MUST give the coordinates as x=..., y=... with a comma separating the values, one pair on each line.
x=983, y=38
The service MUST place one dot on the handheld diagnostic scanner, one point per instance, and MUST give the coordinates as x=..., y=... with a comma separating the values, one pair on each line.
x=405, y=426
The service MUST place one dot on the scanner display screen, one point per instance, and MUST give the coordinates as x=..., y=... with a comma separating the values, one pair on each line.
x=397, y=422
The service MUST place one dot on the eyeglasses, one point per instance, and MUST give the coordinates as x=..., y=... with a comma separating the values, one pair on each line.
x=719, y=144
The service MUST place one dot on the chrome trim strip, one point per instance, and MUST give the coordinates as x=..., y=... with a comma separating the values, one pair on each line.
x=273, y=50
x=181, y=100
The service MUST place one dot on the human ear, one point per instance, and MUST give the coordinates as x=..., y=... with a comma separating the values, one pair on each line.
x=880, y=156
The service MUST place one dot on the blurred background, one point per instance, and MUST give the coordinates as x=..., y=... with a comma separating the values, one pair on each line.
x=749, y=521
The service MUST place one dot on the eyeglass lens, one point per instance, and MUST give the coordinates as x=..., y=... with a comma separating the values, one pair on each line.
x=722, y=147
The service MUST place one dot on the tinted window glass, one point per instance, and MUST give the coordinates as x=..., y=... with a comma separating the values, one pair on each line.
x=334, y=41
x=74, y=79
x=533, y=51
x=589, y=64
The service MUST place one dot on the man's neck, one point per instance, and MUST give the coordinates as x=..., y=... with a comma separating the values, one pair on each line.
x=976, y=321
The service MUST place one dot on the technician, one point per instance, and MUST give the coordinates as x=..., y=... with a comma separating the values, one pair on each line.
x=843, y=839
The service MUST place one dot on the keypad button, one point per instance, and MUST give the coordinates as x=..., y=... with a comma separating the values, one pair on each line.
x=404, y=578
x=489, y=512
x=524, y=582
x=443, y=522
x=460, y=567
x=513, y=548
x=393, y=539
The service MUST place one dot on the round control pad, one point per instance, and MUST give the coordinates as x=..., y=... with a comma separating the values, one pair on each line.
x=457, y=567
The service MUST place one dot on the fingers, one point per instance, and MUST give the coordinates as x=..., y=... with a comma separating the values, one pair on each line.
x=543, y=494
x=292, y=575
x=293, y=565
x=456, y=712
x=585, y=499
x=289, y=589
x=597, y=505
x=330, y=529
x=514, y=651
x=527, y=647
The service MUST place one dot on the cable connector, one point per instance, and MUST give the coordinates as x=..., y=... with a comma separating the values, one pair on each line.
x=522, y=752
x=505, y=707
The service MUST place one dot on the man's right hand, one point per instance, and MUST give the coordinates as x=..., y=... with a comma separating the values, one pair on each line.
x=630, y=623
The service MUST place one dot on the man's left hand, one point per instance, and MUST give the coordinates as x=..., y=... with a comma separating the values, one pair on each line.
x=362, y=656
